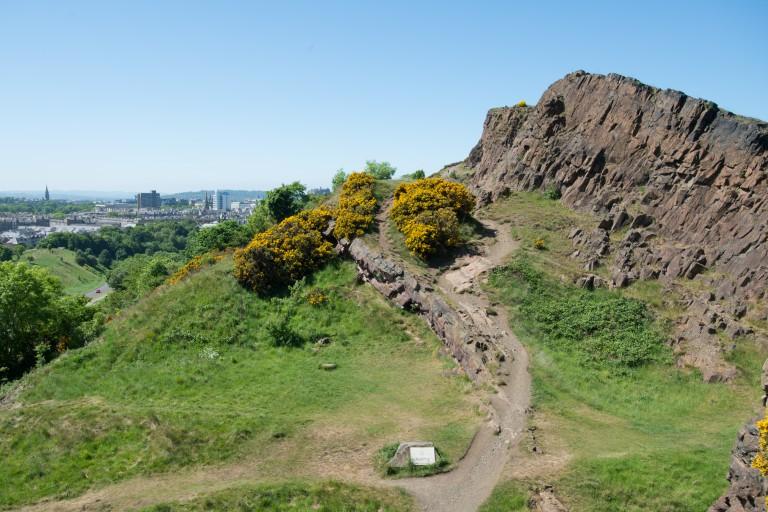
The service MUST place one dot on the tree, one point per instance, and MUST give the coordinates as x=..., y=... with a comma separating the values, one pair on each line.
x=105, y=258
x=217, y=238
x=286, y=200
x=338, y=179
x=380, y=171
x=418, y=175
x=260, y=220
x=5, y=253
x=36, y=318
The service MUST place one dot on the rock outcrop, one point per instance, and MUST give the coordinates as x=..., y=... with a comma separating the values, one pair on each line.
x=682, y=180
x=467, y=343
x=747, y=488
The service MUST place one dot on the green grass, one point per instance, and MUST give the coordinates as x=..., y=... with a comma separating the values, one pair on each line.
x=531, y=216
x=648, y=437
x=297, y=497
x=508, y=496
x=61, y=263
x=187, y=377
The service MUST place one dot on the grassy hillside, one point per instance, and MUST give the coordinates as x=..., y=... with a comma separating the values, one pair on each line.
x=61, y=263
x=188, y=377
x=297, y=497
x=611, y=436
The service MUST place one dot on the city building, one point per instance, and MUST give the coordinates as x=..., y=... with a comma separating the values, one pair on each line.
x=222, y=201
x=148, y=200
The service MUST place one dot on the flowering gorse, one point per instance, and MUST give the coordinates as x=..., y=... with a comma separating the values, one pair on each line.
x=427, y=212
x=357, y=205
x=286, y=252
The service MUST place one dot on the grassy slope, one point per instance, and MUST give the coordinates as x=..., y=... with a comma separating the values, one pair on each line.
x=297, y=497
x=652, y=439
x=61, y=263
x=186, y=377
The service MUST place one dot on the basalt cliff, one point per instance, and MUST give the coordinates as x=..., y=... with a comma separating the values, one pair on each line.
x=680, y=180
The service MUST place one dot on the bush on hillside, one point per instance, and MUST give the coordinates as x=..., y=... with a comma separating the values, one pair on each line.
x=357, y=206
x=428, y=213
x=285, y=253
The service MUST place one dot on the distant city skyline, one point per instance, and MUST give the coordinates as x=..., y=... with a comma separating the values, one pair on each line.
x=249, y=95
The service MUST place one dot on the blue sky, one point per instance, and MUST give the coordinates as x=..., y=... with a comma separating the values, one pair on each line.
x=185, y=95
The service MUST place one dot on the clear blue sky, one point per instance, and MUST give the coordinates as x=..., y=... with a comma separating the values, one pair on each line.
x=134, y=95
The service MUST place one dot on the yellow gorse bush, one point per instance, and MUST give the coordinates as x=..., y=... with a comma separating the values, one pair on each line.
x=193, y=265
x=357, y=206
x=286, y=252
x=427, y=212
x=760, y=462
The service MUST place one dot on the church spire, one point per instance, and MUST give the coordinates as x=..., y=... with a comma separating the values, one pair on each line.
x=47, y=195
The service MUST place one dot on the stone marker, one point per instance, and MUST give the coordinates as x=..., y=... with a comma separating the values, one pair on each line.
x=418, y=453
x=422, y=455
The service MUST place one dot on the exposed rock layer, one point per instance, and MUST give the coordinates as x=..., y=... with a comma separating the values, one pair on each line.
x=467, y=343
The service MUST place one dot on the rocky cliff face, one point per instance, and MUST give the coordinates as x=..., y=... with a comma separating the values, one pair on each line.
x=682, y=180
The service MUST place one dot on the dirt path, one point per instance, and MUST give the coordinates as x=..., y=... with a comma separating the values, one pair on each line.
x=461, y=490
x=469, y=485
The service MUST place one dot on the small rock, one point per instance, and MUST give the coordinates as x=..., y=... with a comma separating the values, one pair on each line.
x=328, y=366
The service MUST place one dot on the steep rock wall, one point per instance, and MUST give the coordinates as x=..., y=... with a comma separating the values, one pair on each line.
x=684, y=181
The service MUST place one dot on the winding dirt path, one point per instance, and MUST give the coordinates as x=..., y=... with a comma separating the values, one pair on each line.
x=472, y=481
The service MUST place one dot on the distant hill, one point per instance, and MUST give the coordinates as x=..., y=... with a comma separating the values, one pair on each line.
x=235, y=195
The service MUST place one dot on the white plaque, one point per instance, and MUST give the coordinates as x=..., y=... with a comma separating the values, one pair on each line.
x=422, y=455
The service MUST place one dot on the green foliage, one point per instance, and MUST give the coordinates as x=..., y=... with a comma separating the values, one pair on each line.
x=38, y=320
x=599, y=327
x=280, y=332
x=338, y=179
x=286, y=200
x=217, y=238
x=5, y=253
x=416, y=175
x=133, y=277
x=522, y=103
x=380, y=170
x=187, y=377
x=54, y=207
x=552, y=193
x=297, y=497
x=119, y=243
x=260, y=220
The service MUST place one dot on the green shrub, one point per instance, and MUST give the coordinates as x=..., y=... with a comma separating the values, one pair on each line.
x=552, y=192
